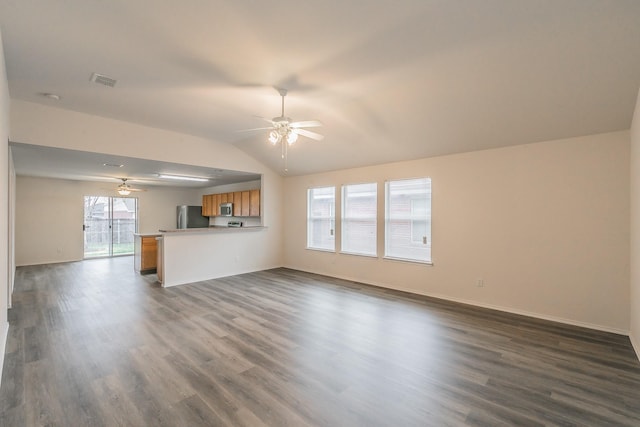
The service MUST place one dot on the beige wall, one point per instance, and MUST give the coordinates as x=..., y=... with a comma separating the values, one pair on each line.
x=635, y=230
x=545, y=225
x=6, y=267
x=49, y=215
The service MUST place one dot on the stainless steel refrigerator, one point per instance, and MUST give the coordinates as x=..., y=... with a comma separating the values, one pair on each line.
x=191, y=217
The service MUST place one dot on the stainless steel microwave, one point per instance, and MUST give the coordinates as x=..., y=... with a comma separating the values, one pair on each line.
x=226, y=209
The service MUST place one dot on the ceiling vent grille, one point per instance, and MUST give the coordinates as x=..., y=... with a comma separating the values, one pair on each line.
x=103, y=80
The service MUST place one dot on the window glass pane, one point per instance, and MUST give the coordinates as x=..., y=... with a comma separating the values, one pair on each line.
x=359, y=218
x=408, y=219
x=321, y=205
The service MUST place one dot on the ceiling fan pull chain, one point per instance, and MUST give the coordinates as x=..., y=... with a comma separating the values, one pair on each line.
x=285, y=156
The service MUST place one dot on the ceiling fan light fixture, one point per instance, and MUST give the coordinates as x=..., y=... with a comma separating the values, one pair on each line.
x=292, y=137
x=124, y=191
x=274, y=137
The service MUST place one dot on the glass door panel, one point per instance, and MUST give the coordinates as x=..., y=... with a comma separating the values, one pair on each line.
x=97, y=234
x=109, y=224
x=124, y=213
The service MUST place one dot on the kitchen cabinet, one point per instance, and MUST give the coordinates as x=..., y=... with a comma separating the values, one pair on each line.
x=213, y=206
x=216, y=204
x=245, y=203
x=145, y=252
x=254, y=203
x=208, y=206
x=237, y=203
x=205, y=205
x=244, y=196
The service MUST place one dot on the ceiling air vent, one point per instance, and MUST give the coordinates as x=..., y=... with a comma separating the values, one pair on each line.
x=103, y=80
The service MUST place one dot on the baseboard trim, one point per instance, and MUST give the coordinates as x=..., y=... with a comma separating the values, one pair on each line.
x=4, y=334
x=483, y=305
x=535, y=315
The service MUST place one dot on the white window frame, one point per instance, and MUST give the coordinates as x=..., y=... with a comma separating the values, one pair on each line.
x=331, y=217
x=421, y=249
x=346, y=221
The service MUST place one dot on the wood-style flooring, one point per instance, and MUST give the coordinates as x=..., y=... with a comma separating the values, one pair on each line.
x=93, y=343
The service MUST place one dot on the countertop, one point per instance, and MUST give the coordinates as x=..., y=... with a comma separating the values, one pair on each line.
x=211, y=229
x=147, y=234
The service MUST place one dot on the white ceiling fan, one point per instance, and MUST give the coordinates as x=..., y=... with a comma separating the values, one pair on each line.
x=285, y=131
x=125, y=189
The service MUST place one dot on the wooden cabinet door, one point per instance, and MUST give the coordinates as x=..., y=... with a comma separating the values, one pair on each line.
x=254, y=203
x=223, y=198
x=213, y=205
x=237, y=203
x=206, y=205
x=215, y=200
x=149, y=253
x=245, y=203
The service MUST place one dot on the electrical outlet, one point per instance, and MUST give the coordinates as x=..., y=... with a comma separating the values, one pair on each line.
x=480, y=283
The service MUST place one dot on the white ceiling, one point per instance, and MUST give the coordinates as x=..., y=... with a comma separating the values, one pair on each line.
x=390, y=79
x=49, y=162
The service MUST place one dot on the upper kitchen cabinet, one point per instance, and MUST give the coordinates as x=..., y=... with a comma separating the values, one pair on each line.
x=245, y=203
x=216, y=204
x=245, y=197
x=237, y=203
x=254, y=203
x=208, y=205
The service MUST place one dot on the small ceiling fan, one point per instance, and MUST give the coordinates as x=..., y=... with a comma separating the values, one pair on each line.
x=125, y=189
x=283, y=129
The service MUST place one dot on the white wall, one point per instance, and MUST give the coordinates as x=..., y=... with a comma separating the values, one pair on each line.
x=545, y=225
x=6, y=269
x=49, y=215
x=194, y=256
x=634, y=333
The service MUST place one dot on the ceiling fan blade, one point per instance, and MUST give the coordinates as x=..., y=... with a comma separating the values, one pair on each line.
x=264, y=118
x=309, y=134
x=305, y=124
x=250, y=130
x=127, y=188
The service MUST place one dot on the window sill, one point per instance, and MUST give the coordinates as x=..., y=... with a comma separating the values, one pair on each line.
x=321, y=250
x=413, y=261
x=357, y=254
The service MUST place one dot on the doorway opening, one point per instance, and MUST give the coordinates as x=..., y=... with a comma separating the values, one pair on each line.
x=109, y=225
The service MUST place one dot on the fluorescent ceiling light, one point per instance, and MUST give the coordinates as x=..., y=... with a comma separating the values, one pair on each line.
x=183, y=178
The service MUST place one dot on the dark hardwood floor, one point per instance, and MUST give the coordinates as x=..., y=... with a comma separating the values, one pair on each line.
x=94, y=344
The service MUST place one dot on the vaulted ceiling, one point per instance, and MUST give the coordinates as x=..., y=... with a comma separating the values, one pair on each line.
x=389, y=80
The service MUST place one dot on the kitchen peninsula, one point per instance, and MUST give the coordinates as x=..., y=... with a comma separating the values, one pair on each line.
x=197, y=254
